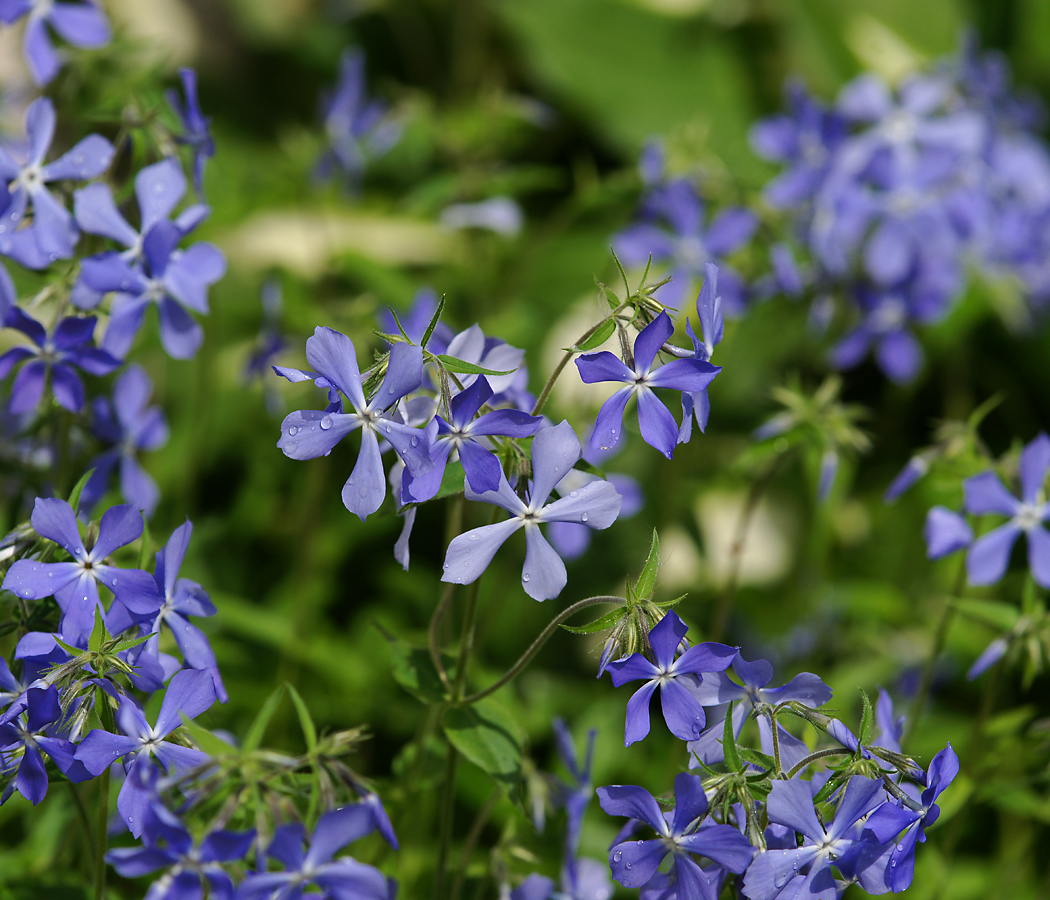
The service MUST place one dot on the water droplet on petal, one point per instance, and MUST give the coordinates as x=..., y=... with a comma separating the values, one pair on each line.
x=525, y=576
x=473, y=537
x=326, y=423
x=446, y=565
x=900, y=847
x=575, y=494
x=584, y=517
x=415, y=442
x=893, y=864
x=290, y=447
x=627, y=865
x=293, y=431
x=617, y=856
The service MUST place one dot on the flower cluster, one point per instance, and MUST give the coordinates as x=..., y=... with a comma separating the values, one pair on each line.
x=771, y=817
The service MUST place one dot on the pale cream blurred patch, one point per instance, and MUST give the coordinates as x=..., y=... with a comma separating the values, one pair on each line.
x=570, y=394
x=305, y=242
x=767, y=550
x=166, y=29
x=675, y=8
x=851, y=522
x=880, y=48
x=680, y=561
x=269, y=17
x=14, y=80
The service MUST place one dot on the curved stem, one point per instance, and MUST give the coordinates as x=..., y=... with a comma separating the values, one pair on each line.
x=569, y=354
x=813, y=757
x=471, y=841
x=939, y=640
x=536, y=646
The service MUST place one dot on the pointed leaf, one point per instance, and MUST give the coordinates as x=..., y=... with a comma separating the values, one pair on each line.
x=262, y=720
x=210, y=743
x=306, y=721
x=462, y=367
x=98, y=633
x=646, y=583
x=599, y=624
x=486, y=735
x=433, y=322
x=74, y=495
x=601, y=334
x=867, y=720
x=756, y=759
x=729, y=750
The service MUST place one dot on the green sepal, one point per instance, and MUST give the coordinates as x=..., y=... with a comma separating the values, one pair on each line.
x=78, y=488
x=756, y=758
x=433, y=323
x=69, y=648
x=306, y=721
x=254, y=737
x=667, y=604
x=832, y=785
x=760, y=789
x=397, y=322
x=729, y=748
x=646, y=583
x=867, y=720
x=210, y=743
x=98, y=633
x=462, y=367
x=132, y=642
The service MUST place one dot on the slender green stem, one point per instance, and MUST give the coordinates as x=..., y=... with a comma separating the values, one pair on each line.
x=471, y=841
x=569, y=354
x=736, y=549
x=536, y=646
x=776, y=745
x=813, y=757
x=85, y=819
x=453, y=526
x=100, y=839
x=446, y=816
x=939, y=639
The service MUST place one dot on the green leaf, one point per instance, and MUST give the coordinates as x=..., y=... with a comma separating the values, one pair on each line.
x=599, y=624
x=486, y=735
x=1000, y=615
x=832, y=785
x=601, y=334
x=585, y=466
x=74, y=495
x=132, y=642
x=729, y=748
x=306, y=721
x=756, y=758
x=69, y=648
x=210, y=743
x=867, y=720
x=414, y=670
x=451, y=481
x=98, y=633
x=433, y=322
x=646, y=583
x=258, y=728
x=462, y=367
x=146, y=548
x=397, y=322
x=667, y=604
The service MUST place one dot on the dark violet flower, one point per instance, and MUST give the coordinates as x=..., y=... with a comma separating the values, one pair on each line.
x=658, y=426
x=130, y=425
x=196, y=130
x=461, y=436
x=344, y=878
x=717, y=690
x=82, y=24
x=681, y=834
x=555, y=450
x=682, y=712
x=176, y=280
x=158, y=190
x=806, y=870
x=33, y=724
x=905, y=826
x=67, y=349
x=52, y=234
x=309, y=433
x=989, y=555
x=75, y=584
x=684, y=243
x=192, y=870
x=805, y=140
x=190, y=692
x=357, y=127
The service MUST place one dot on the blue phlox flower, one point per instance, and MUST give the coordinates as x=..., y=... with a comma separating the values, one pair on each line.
x=345, y=878
x=176, y=280
x=904, y=825
x=82, y=24
x=673, y=232
x=991, y=654
x=34, y=724
x=805, y=140
x=555, y=450
x=358, y=127
x=416, y=320
x=307, y=434
x=190, y=693
x=467, y=437
x=657, y=425
x=52, y=233
x=681, y=833
x=69, y=347
x=74, y=584
x=130, y=425
x=196, y=127
x=717, y=690
x=807, y=870
x=945, y=532
x=158, y=190
x=988, y=556
x=575, y=795
x=712, y=329
x=914, y=469
x=501, y=215
x=674, y=676
x=473, y=346
x=192, y=870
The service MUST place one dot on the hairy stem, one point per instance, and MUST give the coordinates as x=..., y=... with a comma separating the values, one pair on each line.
x=536, y=646
x=813, y=757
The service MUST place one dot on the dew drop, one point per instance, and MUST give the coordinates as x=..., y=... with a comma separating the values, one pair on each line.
x=290, y=447
x=326, y=423
x=557, y=468
x=293, y=431
x=415, y=442
x=584, y=517
x=575, y=494
x=50, y=574
x=617, y=856
x=780, y=880
x=627, y=865
x=350, y=480
x=473, y=537
x=525, y=576
x=893, y=864
x=900, y=847
x=446, y=565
